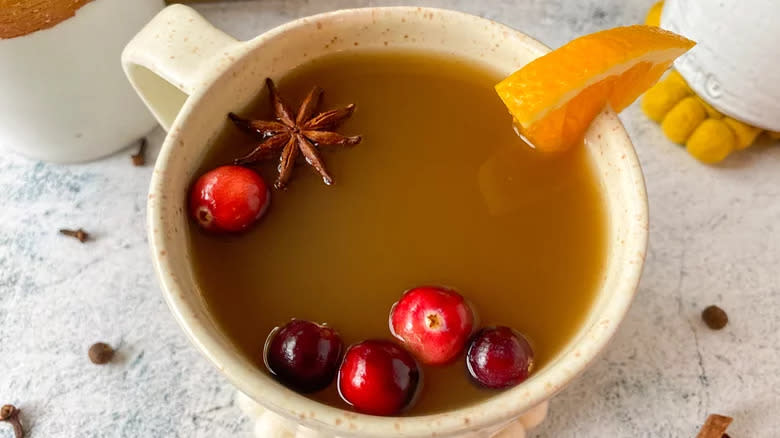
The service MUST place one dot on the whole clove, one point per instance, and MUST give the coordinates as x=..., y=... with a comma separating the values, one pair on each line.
x=10, y=414
x=79, y=234
x=139, y=158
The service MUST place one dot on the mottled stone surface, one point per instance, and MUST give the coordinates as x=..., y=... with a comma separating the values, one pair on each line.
x=715, y=238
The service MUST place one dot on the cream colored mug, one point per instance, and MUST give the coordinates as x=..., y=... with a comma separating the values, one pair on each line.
x=191, y=75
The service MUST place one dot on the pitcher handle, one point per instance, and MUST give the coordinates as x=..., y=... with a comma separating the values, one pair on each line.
x=169, y=59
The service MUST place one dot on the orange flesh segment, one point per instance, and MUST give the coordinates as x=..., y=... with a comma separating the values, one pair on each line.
x=555, y=97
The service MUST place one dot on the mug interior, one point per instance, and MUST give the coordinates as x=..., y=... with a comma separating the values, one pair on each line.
x=237, y=78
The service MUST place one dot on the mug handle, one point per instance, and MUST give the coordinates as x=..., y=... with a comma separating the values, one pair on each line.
x=169, y=59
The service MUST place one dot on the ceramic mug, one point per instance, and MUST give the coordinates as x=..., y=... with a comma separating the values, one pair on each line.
x=191, y=75
x=63, y=97
x=734, y=63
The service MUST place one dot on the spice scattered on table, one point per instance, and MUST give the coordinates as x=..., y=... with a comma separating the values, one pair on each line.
x=100, y=353
x=715, y=317
x=10, y=414
x=79, y=234
x=715, y=427
x=139, y=158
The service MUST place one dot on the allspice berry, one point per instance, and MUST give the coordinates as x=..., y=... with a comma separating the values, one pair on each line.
x=715, y=317
x=100, y=353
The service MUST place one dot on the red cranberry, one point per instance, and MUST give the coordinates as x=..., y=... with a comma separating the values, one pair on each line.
x=499, y=357
x=378, y=378
x=433, y=322
x=229, y=198
x=303, y=355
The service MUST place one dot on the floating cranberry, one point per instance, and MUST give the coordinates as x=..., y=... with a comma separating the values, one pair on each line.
x=434, y=323
x=303, y=355
x=499, y=357
x=378, y=378
x=229, y=198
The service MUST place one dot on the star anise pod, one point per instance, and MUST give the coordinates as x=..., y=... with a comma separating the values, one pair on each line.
x=295, y=133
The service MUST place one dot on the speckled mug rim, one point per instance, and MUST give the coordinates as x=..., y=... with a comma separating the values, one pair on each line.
x=609, y=140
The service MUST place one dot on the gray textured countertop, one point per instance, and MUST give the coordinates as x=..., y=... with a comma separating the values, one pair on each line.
x=715, y=238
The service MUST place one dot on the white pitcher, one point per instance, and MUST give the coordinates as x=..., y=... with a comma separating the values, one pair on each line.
x=63, y=95
x=736, y=62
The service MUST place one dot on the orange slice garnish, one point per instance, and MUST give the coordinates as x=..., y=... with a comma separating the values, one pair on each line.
x=555, y=97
